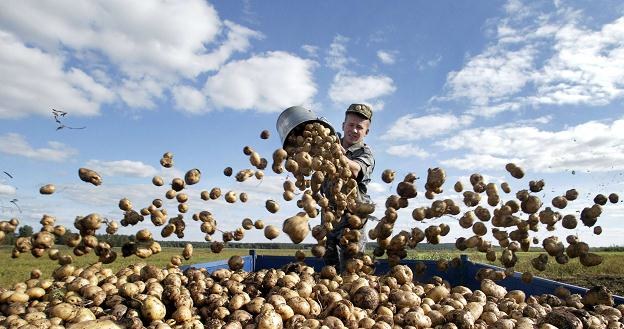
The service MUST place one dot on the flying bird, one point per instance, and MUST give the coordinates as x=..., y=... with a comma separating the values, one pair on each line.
x=14, y=201
x=58, y=114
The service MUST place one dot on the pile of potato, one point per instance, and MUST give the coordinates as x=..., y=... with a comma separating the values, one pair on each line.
x=144, y=296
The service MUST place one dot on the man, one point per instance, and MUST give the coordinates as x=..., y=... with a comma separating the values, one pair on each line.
x=360, y=160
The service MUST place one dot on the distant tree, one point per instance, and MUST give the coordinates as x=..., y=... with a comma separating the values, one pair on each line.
x=25, y=230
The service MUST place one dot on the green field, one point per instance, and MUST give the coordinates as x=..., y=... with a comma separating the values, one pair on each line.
x=610, y=273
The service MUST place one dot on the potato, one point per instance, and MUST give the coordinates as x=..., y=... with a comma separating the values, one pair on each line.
x=192, y=176
x=235, y=263
x=437, y=293
x=463, y=319
x=153, y=309
x=90, y=176
x=515, y=171
x=271, y=232
x=435, y=179
x=571, y=195
x=590, y=259
x=227, y=171
x=490, y=288
x=387, y=176
x=600, y=199
x=458, y=187
x=559, y=202
x=269, y=319
x=297, y=227
x=406, y=190
x=536, y=186
x=158, y=181
x=47, y=189
x=366, y=298
x=272, y=206
x=230, y=197
x=531, y=205
x=613, y=198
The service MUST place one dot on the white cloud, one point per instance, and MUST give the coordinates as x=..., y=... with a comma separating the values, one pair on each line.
x=542, y=57
x=312, y=51
x=409, y=127
x=15, y=144
x=427, y=64
x=7, y=189
x=33, y=82
x=127, y=168
x=337, y=57
x=103, y=51
x=407, y=150
x=352, y=89
x=189, y=99
x=492, y=76
x=269, y=82
x=374, y=187
x=386, y=57
x=592, y=145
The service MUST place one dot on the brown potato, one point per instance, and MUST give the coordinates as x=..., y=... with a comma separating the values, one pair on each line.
x=192, y=176
x=90, y=176
x=271, y=232
x=272, y=206
x=388, y=176
x=297, y=227
x=47, y=189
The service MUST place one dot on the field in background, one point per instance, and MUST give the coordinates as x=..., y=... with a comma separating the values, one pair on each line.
x=610, y=273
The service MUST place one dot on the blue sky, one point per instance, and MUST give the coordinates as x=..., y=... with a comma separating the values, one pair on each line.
x=464, y=85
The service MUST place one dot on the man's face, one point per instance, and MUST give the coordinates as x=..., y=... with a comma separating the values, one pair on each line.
x=355, y=128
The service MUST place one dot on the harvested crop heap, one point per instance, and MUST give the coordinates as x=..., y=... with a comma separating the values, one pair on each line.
x=142, y=296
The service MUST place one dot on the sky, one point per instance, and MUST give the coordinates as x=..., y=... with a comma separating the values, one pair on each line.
x=467, y=86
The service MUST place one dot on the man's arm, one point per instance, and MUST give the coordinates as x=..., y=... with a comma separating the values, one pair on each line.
x=353, y=166
x=361, y=165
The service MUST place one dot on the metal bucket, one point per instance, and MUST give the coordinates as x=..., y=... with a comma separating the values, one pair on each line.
x=293, y=119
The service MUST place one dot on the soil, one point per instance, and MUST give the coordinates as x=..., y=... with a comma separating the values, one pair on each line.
x=613, y=283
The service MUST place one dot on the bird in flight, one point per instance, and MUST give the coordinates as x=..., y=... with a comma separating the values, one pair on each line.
x=58, y=114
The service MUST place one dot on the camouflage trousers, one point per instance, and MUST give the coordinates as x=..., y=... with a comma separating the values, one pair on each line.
x=337, y=254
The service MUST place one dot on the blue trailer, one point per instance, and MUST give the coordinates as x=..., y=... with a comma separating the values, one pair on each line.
x=464, y=274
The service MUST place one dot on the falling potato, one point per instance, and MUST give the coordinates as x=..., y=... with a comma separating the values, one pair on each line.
x=47, y=189
x=613, y=198
x=297, y=227
x=158, y=181
x=272, y=206
x=265, y=134
x=515, y=171
x=192, y=176
x=167, y=160
x=231, y=197
x=227, y=171
x=388, y=176
x=89, y=176
x=271, y=232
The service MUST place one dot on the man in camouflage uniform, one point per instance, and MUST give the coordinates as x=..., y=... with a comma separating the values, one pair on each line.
x=360, y=160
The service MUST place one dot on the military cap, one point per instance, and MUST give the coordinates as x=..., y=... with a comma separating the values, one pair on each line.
x=362, y=110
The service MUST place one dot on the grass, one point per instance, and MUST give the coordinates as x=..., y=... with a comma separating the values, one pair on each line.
x=16, y=270
x=609, y=273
